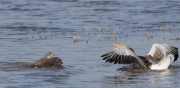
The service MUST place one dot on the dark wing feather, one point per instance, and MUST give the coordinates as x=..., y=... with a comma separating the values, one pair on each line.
x=131, y=49
x=176, y=53
x=123, y=56
x=106, y=54
x=146, y=61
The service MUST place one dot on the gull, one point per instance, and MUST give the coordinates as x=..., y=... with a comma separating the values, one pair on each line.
x=48, y=61
x=159, y=57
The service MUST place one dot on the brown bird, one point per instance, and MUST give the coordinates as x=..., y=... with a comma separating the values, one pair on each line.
x=159, y=57
x=48, y=61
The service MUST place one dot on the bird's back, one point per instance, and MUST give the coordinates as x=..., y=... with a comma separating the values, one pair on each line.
x=53, y=62
x=44, y=62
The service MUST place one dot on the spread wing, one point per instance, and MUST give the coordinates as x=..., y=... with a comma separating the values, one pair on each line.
x=159, y=51
x=123, y=56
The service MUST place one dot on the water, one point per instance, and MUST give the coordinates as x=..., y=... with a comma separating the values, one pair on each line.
x=29, y=29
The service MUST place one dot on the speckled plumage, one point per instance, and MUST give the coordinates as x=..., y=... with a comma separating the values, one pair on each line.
x=48, y=61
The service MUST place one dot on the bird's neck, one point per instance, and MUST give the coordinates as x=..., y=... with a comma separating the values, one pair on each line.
x=47, y=57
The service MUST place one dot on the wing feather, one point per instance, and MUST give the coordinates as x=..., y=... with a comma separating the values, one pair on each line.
x=106, y=54
x=123, y=56
x=159, y=51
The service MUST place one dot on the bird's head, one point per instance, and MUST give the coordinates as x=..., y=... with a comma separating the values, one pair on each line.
x=122, y=46
x=49, y=54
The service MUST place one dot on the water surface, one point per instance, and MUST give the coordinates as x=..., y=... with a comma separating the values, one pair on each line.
x=29, y=29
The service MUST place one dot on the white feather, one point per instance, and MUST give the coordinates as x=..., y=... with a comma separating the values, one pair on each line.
x=163, y=47
x=164, y=63
x=166, y=60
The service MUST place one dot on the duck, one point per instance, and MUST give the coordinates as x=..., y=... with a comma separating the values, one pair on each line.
x=48, y=61
x=159, y=57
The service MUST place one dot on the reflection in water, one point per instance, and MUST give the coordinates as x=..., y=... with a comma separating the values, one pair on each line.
x=163, y=77
x=126, y=77
x=131, y=77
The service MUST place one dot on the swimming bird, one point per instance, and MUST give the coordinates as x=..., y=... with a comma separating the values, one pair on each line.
x=48, y=61
x=159, y=57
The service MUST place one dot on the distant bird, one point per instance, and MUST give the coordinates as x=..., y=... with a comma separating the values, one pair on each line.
x=48, y=61
x=159, y=57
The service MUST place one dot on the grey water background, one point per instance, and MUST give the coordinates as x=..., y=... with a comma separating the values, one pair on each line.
x=30, y=28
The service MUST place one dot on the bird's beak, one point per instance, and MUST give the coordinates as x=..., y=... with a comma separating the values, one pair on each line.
x=116, y=45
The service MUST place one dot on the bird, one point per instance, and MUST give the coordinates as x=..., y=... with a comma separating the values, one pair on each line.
x=159, y=57
x=48, y=61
